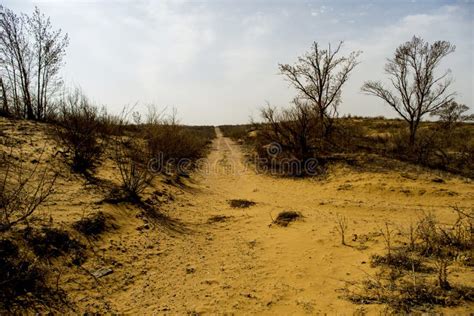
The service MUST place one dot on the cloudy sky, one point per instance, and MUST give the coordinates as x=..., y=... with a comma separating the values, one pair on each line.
x=217, y=61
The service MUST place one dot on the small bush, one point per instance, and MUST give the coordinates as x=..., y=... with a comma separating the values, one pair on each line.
x=79, y=129
x=132, y=162
x=341, y=227
x=286, y=217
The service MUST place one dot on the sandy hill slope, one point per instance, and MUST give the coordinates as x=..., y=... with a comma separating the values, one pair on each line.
x=205, y=256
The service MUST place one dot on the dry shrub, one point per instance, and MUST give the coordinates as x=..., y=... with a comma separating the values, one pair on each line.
x=80, y=129
x=437, y=146
x=22, y=190
x=175, y=143
x=286, y=217
x=341, y=227
x=132, y=160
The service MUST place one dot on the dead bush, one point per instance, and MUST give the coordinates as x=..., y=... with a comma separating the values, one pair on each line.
x=22, y=189
x=341, y=227
x=81, y=131
x=132, y=161
x=286, y=217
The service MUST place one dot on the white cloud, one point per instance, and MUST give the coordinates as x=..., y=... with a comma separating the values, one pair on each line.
x=217, y=61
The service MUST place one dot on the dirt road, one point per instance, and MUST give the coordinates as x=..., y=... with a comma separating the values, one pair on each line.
x=241, y=264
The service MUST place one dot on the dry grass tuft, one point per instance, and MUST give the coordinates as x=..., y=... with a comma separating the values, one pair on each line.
x=286, y=217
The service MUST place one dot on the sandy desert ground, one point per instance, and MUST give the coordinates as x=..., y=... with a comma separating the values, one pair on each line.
x=210, y=258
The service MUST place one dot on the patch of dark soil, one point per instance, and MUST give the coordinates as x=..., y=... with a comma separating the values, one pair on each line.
x=49, y=242
x=93, y=225
x=23, y=283
x=218, y=219
x=238, y=203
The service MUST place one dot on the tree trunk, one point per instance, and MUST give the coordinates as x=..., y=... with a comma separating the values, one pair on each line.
x=5, y=108
x=412, y=140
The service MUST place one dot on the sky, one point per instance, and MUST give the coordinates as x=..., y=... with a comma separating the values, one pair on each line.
x=216, y=62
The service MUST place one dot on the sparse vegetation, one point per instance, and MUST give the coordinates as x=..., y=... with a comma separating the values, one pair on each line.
x=50, y=242
x=305, y=129
x=408, y=294
x=432, y=247
x=218, y=219
x=149, y=199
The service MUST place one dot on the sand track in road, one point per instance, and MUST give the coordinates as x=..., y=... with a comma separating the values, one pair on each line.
x=242, y=265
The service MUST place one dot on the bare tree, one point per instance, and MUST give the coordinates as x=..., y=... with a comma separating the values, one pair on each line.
x=319, y=76
x=16, y=56
x=49, y=50
x=451, y=113
x=31, y=55
x=418, y=89
x=5, y=108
